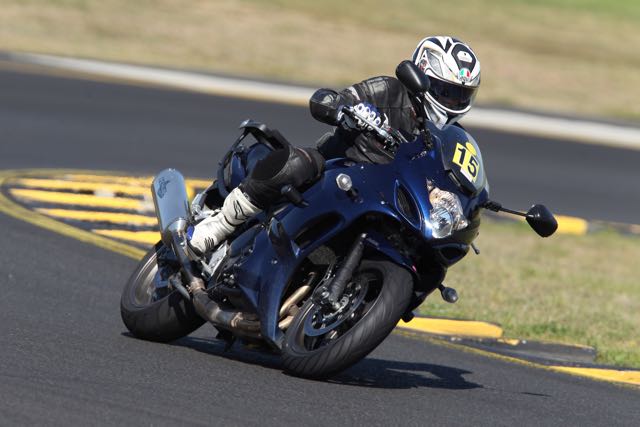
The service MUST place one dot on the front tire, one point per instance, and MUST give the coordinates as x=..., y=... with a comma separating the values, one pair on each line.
x=153, y=312
x=380, y=291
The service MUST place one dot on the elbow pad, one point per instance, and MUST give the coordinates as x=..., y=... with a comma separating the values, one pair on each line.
x=324, y=105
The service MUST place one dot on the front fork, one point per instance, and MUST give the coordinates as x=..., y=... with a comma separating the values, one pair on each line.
x=332, y=294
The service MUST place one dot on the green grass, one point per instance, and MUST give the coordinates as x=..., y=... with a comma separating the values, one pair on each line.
x=570, y=289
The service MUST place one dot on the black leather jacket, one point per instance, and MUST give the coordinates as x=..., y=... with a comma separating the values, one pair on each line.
x=391, y=99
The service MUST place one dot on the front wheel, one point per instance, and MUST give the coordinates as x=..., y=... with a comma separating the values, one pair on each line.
x=321, y=341
x=151, y=309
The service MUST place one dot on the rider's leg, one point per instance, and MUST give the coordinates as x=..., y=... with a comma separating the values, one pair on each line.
x=294, y=166
x=211, y=231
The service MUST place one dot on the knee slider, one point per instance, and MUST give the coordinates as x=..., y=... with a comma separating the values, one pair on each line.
x=293, y=166
x=271, y=165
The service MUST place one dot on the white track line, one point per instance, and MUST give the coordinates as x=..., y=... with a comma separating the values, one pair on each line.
x=204, y=83
x=509, y=121
x=574, y=130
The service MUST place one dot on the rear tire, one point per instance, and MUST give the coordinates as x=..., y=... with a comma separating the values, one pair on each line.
x=152, y=313
x=389, y=290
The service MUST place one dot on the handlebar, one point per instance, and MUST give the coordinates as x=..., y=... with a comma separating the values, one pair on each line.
x=390, y=137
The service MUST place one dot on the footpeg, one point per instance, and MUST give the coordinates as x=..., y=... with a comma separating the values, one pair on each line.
x=450, y=295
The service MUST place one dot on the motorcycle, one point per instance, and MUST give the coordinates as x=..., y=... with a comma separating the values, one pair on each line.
x=324, y=275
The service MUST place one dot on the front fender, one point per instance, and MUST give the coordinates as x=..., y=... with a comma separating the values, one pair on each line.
x=380, y=244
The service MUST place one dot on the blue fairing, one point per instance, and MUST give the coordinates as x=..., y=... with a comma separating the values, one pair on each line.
x=265, y=257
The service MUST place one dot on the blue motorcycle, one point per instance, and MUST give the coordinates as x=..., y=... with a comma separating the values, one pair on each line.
x=324, y=275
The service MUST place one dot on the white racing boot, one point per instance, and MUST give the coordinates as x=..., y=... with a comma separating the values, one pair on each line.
x=212, y=231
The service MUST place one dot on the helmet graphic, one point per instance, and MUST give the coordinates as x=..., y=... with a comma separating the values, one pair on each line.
x=454, y=71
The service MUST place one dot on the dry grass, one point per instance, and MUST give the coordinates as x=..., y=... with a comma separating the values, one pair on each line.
x=572, y=289
x=565, y=55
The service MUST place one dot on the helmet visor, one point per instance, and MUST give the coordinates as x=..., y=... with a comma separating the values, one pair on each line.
x=452, y=96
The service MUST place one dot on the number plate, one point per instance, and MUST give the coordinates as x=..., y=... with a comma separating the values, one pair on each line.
x=466, y=157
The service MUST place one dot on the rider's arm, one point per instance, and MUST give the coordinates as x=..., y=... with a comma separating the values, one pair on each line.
x=385, y=93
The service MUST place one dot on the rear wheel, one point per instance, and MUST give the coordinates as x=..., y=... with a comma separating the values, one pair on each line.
x=322, y=341
x=150, y=308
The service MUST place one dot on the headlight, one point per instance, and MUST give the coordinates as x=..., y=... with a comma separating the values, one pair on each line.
x=446, y=215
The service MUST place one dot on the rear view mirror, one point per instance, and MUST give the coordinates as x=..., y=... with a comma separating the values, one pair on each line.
x=412, y=78
x=542, y=220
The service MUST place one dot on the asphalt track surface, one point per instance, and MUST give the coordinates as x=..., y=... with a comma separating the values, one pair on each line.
x=66, y=356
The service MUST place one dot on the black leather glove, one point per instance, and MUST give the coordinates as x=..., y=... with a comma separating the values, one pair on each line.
x=324, y=106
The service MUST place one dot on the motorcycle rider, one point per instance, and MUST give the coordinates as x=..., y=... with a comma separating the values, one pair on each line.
x=454, y=72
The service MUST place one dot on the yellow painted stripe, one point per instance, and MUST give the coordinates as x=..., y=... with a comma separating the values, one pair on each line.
x=98, y=187
x=147, y=237
x=198, y=183
x=82, y=200
x=14, y=210
x=628, y=377
x=92, y=216
x=566, y=224
x=572, y=225
x=467, y=328
x=143, y=181
x=487, y=353
x=508, y=341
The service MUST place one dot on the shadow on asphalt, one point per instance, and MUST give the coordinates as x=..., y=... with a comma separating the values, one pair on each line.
x=262, y=356
x=393, y=374
x=370, y=372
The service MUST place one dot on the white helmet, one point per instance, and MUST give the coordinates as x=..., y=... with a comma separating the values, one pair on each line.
x=454, y=71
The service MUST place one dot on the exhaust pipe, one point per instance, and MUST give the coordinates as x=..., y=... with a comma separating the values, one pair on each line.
x=173, y=212
x=172, y=204
x=210, y=310
x=244, y=322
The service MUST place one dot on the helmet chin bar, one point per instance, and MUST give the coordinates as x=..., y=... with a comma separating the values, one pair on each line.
x=439, y=116
x=435, y=115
